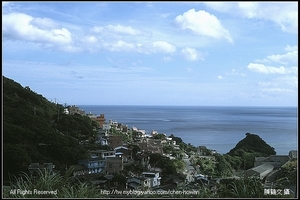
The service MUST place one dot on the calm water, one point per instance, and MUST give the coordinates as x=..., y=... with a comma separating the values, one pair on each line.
x=218, y=128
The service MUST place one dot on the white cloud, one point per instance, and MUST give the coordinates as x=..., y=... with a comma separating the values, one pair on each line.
x=289, y=48
x=264, y=84
x=290, y=58
x=191, y=54
x=19, y=26
x=48, y=34
x=221, y=77
x=276, y=90
x=289, y=80
x=286, y=81
x=261, y=68
x=202, y=23
x=157, y=47
x=283, y=85
x=119, y=46
x=284, y=14
x=90, y=39
x=284, y=58
x=119, y=29
x=44, y=23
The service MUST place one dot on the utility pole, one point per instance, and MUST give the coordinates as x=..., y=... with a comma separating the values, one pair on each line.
x=57, y=112
x=57, y=109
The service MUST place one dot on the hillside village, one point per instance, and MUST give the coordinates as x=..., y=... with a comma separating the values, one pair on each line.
x=121, y=160
x=84, y=155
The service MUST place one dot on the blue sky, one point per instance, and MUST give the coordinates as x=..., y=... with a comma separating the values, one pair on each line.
x=159, y=53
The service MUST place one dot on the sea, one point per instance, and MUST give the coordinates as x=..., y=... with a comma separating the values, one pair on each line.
x=218, y=128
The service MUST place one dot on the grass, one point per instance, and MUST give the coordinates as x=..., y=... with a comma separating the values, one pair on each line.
x=66, y=186
x=49, y=185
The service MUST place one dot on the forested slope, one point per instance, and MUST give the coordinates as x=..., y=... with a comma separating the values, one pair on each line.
x=36, y=130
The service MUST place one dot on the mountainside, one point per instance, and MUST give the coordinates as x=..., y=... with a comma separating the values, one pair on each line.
x=248, y=148
x=252, y=143
x=36, y=130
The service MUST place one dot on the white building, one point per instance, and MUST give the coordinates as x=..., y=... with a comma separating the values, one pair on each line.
x=154, y=178
x=138, y=183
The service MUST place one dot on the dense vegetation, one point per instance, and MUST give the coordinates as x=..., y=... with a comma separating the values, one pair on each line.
x=36, y=130
x=63, y=186
x=58, y=186
x=248, y=148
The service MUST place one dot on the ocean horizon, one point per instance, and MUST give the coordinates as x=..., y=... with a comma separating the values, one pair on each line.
x=218, y=128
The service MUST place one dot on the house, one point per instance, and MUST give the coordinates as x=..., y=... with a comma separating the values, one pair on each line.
x=138, y=183
x=293, y=154
x=102, y=141
x=121, y=127
x=124, y=129
x=34, y=167
x=101, y=132
x=154, y=178
x=93, y=165
x=124, y=152
x=75, y=110
x=275, y=160
x=66, y=111
x=100, y=119
x=152, y=145
x=102, y=153
x=91, y=115
x=106, y=127
x=115, y=141
x=112, y=124
x=143, y=158
x=80, y=170
x=260, y=171
x=114, y=165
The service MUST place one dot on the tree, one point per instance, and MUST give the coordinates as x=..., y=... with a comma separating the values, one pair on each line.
x=119, y=180
x=223, y=167
x=15, y=160
x=159, y=136
x=155, y=159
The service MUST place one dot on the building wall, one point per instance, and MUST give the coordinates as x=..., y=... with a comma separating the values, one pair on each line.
x=155, y=146
x=102, y=153
x=94, y=165
x=115, y=141
x=275, y=160
x=74, y=109
x=100, y=119
x=154, y=178
x=260, y=171
x=114, y=165
x=142, y=183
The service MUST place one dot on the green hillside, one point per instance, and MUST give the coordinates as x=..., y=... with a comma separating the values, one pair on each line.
x=253, y=143
x=250, y=147
x=36, y=130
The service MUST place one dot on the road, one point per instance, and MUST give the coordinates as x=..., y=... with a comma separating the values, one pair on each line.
x=189, y=170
